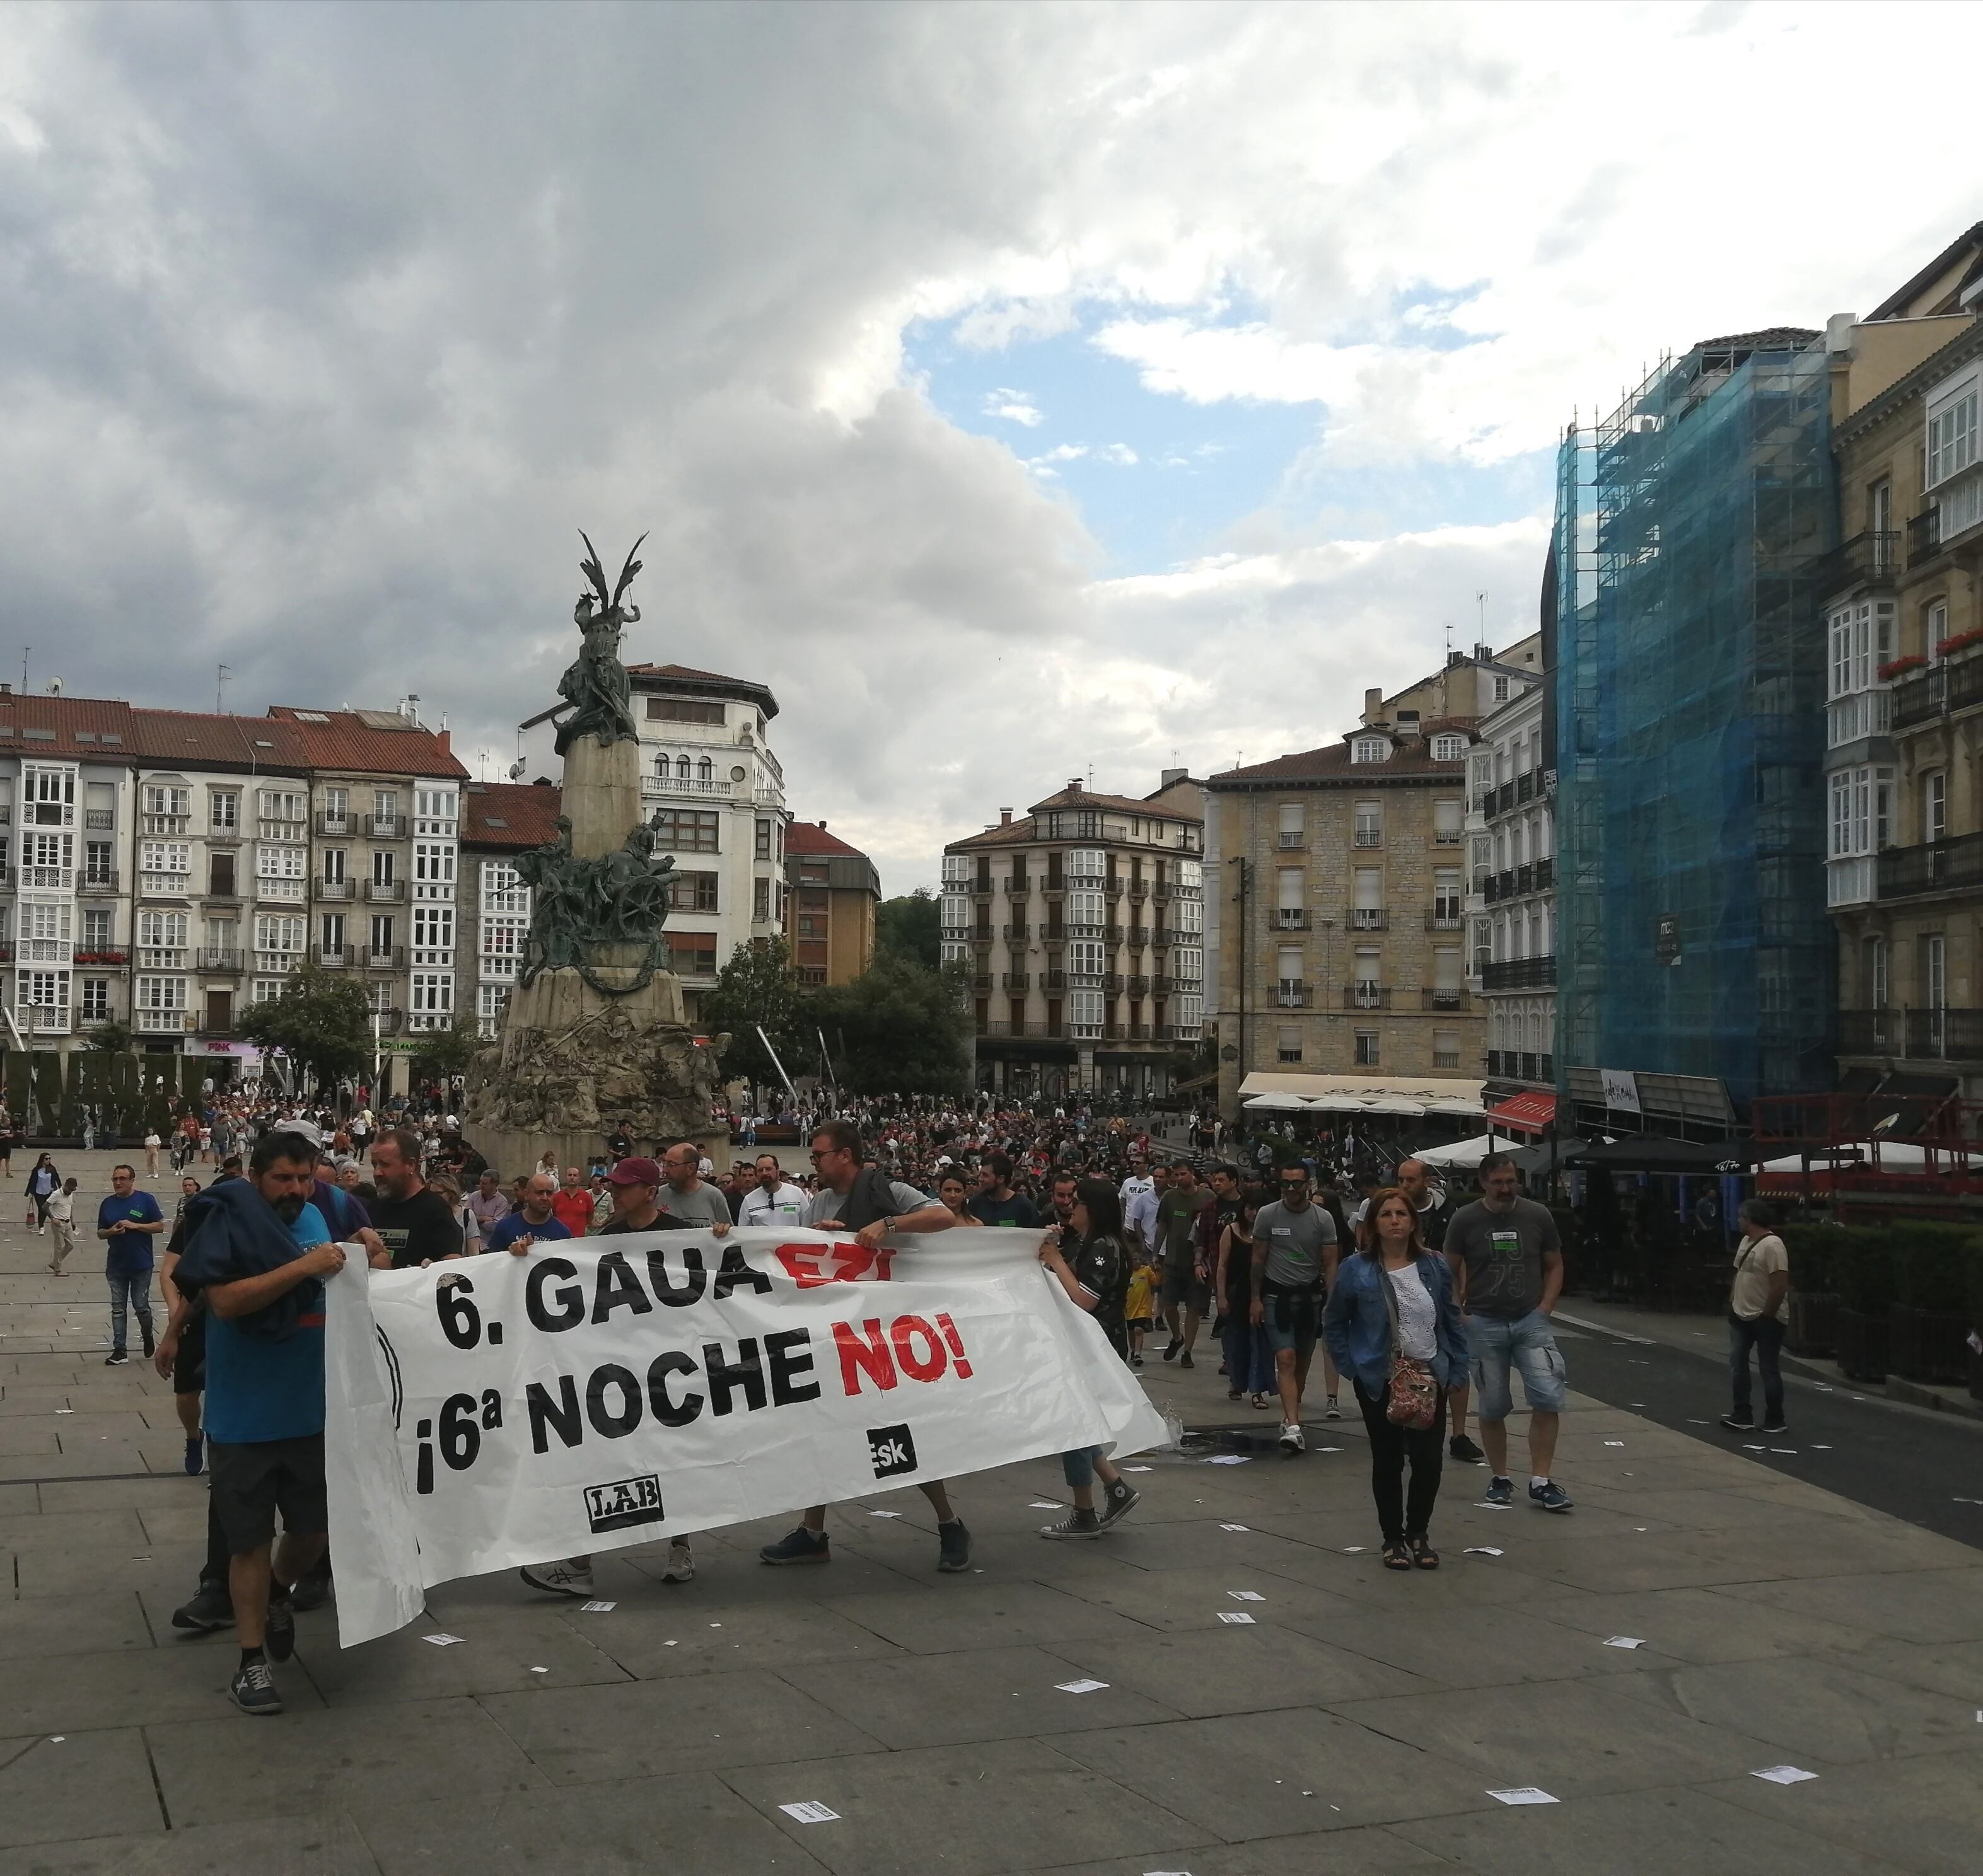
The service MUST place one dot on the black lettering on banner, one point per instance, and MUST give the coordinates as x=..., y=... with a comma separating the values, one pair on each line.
x=460, y=1321
x=891, y=1451
x=735, y=1271
x=618, y=1289
x=666, y=1411
x=492, y=1408
x=623, y=1503
x=696, y=1277
x=789, y=1356
x=460, y=1437
x=570, y=1300
x=613, y=1426
x=746, y=1372
x=547, y=1416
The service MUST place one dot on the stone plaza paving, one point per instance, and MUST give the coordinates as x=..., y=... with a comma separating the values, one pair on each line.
x=1357, y=1724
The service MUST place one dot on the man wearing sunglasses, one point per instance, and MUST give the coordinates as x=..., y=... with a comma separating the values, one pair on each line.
x=1294, y=1262
x=864, y=1201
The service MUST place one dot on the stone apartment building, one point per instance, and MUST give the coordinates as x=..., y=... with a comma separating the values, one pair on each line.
x=1083, y=925
x=499, y=820
x=1903, y=761
x=1342, y=944
x=831, y=892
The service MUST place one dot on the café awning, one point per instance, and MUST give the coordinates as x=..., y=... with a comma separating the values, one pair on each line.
x=1527, y=1113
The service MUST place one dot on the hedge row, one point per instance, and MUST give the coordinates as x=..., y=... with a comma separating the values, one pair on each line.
x=1922, y=1264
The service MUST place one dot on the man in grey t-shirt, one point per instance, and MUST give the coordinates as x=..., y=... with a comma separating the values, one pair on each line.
x=1294, y=1262
x=1507, y=1268
x=687, y=1196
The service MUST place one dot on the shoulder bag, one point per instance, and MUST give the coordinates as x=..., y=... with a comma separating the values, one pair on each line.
x=1412, y=1396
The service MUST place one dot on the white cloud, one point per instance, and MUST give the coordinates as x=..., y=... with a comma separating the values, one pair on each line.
x=1014, y=407
x=327, y=329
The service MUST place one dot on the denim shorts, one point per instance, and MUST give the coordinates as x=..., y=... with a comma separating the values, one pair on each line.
x=1525, y=1342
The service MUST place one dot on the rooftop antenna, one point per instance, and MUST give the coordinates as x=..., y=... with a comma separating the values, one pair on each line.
x=24, y=650
x=1482, y=600
x=221, y=674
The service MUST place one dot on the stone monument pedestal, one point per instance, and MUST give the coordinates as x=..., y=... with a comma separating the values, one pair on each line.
x=573, y=1065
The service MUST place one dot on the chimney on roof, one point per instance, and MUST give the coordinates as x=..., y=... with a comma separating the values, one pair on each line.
x=443, y=739
x=1005, y=817
x=822, y=827
x=410, y=707
x=1484, y=654
x=1373, y=704
x=1074, y=785
x=1170, y=778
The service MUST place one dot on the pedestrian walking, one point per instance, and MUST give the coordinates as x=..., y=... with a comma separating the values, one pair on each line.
x=1249, y=1361
x=61, y=1222
x=1759, y=1310
x=1092, y=1268
x=8, y=1140
x=43, y=1182
x=152, y=1144
x=1508, y=1260
x=1295, y=1262
x=127, y=1221
x=1396, y=1331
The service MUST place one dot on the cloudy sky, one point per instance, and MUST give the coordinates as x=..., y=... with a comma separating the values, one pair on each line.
x=1016, y=388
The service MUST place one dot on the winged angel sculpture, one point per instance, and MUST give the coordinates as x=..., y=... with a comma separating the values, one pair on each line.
x=595, y=685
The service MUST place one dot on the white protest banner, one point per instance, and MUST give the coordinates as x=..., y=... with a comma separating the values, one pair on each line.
x=500, y=1410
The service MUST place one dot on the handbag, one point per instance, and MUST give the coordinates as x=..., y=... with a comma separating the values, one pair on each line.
x=1411, y=1395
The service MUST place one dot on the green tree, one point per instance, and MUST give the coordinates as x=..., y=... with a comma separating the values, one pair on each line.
x=111, y=1036
x=899, y=1028
x=757, y=989
x=907, y=928
x=441, y=1054
x=320, y=1020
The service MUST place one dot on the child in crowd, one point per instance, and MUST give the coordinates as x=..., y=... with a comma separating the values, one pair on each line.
x=1138, y=1307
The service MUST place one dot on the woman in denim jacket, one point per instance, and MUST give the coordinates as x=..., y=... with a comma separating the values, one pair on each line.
x=1356, y=1328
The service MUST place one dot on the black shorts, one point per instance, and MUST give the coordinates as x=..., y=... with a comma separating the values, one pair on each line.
x=1183, y=1289
x=189, y=1364
x=251, y=1482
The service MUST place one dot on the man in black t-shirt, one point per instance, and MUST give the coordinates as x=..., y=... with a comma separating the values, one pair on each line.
x=418, y=1225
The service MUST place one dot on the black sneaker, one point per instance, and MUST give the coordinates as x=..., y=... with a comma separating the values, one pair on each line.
x=1463, y=1449
x=1185, y=1360
x=212, y=1608
x=1739, y=1423
x=1773, y=1426
x=196, y=1457
x=253, y=1689
x=1176, y=1342
x=1121, y=1499
x=1077, y=1523
x=117, y=1359
x=312, y=1590
x=954, y=1551
x=279, y=1636
x=798, y=1546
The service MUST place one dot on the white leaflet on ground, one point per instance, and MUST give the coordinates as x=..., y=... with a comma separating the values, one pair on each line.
x=1139, y=1468
x=1235, y=1616
x=596, y=1608
x=1232, y=1527
x=1481, y=1549
x=1229, y=1459
x=1043, y=1504
x=810, y=1812
x=540, y=1670
x=442, y=1641
x=1081, y=1686
x=1783, y=1774
x=1353, y=1550
x=1245, y=1595
x=1624, y=1641
x=1614, y=1442
x=1524, y=1794
x=885, y=1513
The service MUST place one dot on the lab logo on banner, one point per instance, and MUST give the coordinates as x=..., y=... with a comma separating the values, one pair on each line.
x=892, y=1449
x=614, y=1506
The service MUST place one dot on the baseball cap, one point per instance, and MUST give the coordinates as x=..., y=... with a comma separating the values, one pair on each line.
x=306, y=1131
x=635, y=1172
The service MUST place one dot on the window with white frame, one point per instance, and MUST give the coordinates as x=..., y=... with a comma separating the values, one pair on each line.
x=1369, y=749
x=434, y=804
x=1083, y=958
x=95, y=1006
x=48, y=859
x=1447, y=817
x=267, y=989
x=1934, y=805
x=1188, y=915
x=502, y=891
x=1083, y=909
x=1187, y=964
x=223, y=810
x=502, y=948
x=433, y=934
x=1189, y=1014
x=1951, y=433
x=1370, y=823
x=432, y=1000
x=1084, y=1013
x=956, y=869
x=1449, y=748
x=48, y=796
x=159, y=993
x=283, y=804
x=1288, y=1044
x=280, y=870
x=278, y=935
x=434, y=869
x=97, y=921
x=1087, y=863
x=41, y=989
x=1191, y=875
x=1366, y=1048
x=490, y=1000
x=161, y=799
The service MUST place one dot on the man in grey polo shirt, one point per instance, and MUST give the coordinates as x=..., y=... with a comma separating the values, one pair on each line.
x=1294, y=1263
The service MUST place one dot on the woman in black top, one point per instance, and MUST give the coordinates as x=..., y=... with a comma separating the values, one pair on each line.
x=1093, y=1268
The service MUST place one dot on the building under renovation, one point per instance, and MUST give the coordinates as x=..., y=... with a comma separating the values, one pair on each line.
x=1694, y=944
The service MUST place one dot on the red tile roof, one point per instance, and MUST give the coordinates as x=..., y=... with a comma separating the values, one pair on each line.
x=355, y=742
x=509, y=814
x=1410, y=759
x=1084, y=798
x=199, y=740
x=659, y=675
x=811, y=837
x=63, y=718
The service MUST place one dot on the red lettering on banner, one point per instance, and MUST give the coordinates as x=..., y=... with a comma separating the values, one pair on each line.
x=956, y=1341
x=863, y=1351
x=801, y=1262
x=902, y=1332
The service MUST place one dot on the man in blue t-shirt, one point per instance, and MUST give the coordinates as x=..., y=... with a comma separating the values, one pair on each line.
x=534, y=1223
x=265, y=1419
x=127, y=1221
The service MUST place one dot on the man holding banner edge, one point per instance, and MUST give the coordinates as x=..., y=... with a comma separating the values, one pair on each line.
x=870, y=1205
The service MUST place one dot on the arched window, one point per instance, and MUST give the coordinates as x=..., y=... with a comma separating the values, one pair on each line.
x=681, y=769
x=705, y=770
x=661, y=765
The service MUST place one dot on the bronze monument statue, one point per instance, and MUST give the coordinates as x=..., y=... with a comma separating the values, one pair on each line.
x=595, y=684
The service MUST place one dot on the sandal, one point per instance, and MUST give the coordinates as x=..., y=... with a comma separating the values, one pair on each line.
x=1259, y=1400
x=1423, y=1555
x=1397, y=1557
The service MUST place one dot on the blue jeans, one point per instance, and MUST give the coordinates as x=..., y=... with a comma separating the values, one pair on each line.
x=1249, y=1362
x=1079, y=1466
x=136, y=1287
x=1765, y=1335
x=1525, y=1344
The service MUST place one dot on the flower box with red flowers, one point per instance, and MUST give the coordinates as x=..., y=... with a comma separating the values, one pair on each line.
x=102, y=957
x=1962, y=642
x=1900, y=667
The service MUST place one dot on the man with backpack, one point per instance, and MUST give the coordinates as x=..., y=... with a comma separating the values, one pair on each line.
x=863, y=1200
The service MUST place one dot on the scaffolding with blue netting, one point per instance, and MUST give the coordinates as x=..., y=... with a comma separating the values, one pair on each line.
x=1692, y=934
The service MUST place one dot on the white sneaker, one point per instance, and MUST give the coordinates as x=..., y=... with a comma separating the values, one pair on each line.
x=1291, y=1439
x=564, y=1579
x=680, y=1566
x=1330, y=1410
